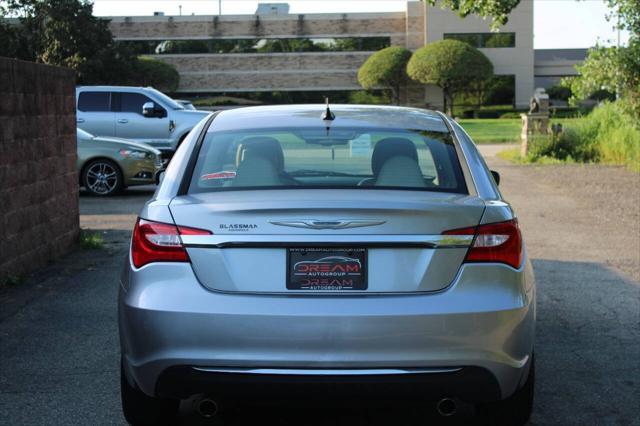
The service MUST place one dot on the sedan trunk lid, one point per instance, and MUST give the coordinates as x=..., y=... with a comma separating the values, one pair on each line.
x=257, y=234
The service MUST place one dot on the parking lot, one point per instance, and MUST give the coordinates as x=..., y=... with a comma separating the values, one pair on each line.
x=58, y=330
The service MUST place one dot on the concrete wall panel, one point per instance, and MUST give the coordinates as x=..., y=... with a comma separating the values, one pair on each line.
x=252, y=26
x=265, y=72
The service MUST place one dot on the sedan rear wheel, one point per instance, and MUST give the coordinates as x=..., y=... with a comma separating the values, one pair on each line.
x=102, y=177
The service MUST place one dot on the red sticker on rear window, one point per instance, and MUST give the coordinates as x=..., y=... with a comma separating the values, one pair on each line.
x=218, y=175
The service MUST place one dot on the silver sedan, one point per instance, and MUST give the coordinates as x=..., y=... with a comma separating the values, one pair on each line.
x=329, y=248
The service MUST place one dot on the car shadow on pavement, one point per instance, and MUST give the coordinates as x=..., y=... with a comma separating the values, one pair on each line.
x=357, y=413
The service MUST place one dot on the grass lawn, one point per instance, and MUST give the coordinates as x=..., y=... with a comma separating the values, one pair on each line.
x=492, y=130
x=500, y=130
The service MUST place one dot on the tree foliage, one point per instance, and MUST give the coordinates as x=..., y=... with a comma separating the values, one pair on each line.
x=498, y=10
x=452, y=65
x=598, y=72
x=626, y=14
x=613, y=69
x=386, y=68
x=559, y=92
x=65, y=33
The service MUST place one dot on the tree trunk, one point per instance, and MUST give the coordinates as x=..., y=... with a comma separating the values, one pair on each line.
x=395, y=95
x=448, y=102
x=444, y=100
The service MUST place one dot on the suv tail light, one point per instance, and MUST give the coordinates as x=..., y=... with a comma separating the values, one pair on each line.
x=494, y=242
x=160, y=242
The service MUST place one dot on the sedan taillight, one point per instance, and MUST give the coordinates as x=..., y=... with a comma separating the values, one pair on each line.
x=160, y=242
x=494, y=242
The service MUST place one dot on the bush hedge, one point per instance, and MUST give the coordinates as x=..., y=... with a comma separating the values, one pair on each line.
x=152, y=72
x=610, y=135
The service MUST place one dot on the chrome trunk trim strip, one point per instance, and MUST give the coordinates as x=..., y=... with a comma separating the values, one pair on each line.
x=328, y=224
x=328, y=372
x=262, y=240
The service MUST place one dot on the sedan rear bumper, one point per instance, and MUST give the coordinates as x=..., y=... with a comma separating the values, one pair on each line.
x=468, y=384
x=476, y=334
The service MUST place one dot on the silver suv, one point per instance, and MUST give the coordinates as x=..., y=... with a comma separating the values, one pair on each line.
x=143, y=114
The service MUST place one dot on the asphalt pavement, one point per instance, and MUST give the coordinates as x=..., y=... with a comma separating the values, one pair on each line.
x=58, y=330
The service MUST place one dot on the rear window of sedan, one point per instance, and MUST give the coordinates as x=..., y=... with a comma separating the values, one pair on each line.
x=358, y=158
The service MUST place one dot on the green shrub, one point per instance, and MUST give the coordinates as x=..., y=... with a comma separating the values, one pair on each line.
x=91, y=240
x=622, y=146
x=367, y=98
x=501, y=90
x=568, y=146
x=513, y=155
x=616, y=134
x=608, y=135
x=152, y=72
x=559, y=92
x=487, y=114
x=569, y=112
x=540, y=146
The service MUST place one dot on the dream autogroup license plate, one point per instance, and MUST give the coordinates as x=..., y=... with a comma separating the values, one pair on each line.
x=326, y=269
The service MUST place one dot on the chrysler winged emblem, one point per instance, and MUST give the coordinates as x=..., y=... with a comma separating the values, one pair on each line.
x=327, y=224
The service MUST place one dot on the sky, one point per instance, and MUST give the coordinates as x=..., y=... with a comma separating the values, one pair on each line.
x=558, y=24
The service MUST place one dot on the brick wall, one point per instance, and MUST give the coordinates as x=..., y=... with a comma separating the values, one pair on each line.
x=38, y=180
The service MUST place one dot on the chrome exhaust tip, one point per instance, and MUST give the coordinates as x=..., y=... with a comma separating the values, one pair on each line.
x=207, y=408
x=446, y=407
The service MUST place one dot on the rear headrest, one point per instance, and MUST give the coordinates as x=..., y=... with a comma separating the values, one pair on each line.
x=261, y=146
x=402, y=171
x=256, y=171
x=391, y=147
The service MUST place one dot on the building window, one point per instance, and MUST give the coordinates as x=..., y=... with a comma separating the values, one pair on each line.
x=351, y=44
x=481, y=40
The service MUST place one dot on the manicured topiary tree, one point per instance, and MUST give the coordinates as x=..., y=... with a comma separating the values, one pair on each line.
x=386, y=69
x=453, y=66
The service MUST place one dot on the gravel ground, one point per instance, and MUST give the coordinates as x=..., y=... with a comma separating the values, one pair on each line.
x=581, y=224
x=577, y=212
x=58, y=331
